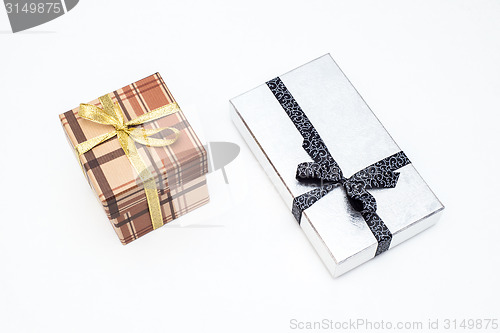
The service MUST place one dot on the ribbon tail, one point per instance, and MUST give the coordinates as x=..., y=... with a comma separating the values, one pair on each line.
x=382, y=173
x=379, y=230
x=365, y=203
x=146, y=177
x=85, y=146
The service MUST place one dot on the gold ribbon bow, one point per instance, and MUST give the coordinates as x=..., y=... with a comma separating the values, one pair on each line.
x=111, y=114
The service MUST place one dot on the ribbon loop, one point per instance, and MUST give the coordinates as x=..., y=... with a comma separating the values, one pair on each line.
x=98, y=115
x=312, y=172
x=112, y=114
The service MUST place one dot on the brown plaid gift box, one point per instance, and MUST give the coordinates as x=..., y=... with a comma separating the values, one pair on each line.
x=178, y=169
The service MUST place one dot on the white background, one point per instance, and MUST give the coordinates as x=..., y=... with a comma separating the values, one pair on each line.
x=430, y=70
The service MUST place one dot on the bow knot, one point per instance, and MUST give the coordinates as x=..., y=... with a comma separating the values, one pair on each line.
x=326, y=175
x=122, y=128
x=128, y=132
x=111, y=114
x=355, y=186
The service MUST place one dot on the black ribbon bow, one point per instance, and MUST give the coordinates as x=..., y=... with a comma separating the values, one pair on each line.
x=326, y=174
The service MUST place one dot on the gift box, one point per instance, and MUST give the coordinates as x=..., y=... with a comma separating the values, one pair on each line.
x=353, y=191
x=140, y=155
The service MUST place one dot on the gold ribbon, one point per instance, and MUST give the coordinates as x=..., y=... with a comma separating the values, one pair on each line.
x=111, y=114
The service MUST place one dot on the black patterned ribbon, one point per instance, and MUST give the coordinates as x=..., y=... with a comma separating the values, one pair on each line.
x=325, y=173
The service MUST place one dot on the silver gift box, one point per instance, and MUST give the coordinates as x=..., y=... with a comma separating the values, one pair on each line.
x=355, y=139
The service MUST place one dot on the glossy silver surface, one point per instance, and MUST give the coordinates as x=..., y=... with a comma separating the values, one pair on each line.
x=355, y=138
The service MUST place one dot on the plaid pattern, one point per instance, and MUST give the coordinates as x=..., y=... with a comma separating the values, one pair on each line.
x=136, y=221
x=179, y=169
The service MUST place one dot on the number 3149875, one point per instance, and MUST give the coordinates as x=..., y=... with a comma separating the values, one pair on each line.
x=471, y=324
x=32, y=8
